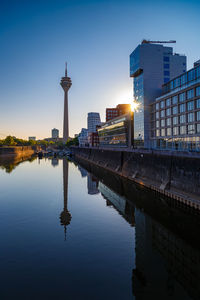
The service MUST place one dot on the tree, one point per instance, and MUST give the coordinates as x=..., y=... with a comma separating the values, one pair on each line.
x=9, y=141
x=72, y=142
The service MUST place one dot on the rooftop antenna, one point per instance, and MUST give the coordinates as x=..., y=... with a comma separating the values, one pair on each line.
x=66, y=69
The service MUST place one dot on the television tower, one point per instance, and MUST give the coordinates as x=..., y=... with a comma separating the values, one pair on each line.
x=66, y=84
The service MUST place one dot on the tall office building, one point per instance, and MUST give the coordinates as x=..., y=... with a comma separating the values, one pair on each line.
x=151, y=65
x=54, y=133
x=93, y=121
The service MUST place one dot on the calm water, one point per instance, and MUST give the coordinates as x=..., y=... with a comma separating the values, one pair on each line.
x=75, y=232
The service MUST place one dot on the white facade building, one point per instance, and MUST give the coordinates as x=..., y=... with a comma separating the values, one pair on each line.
x=83, y=137
x=93, y=121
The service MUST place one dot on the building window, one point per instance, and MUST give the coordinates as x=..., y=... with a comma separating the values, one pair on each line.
x=174, y=100
x=166, y=73
x=169, y=131
x=168, y=121
x=162, y=132
x=182, y=129
x=157, y=124
x=198, y=103
x=183, y=79
x=157, y=106
x=175, y=120
x=191, y=129
x=175, y=131
x=191, y=75
x=190, y=105
x=198, y=72
x=166, y=59
x=198, y=115
x=166, y=79
x=175, y=110
x=181, y=97
x=163, y=123
x=157, y=132
x=198, y=128
x=198, y=91
x=190, y=94
x=166, y=66
x=168, y=112
x=182, y=108
x=162, y=113
x=190, y=117
x=162, y=104
x=157, y=115
x=182, y=119
x=168, y=102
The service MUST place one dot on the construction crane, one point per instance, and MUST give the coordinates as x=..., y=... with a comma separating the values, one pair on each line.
x=157, y=42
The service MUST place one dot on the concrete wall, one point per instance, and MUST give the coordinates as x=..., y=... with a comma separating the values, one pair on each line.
x=175, y=176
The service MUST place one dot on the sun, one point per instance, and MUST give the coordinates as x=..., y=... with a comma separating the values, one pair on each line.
x=134, y=105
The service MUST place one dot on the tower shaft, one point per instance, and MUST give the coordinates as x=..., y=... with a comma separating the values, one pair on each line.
x=66, y=84
x=66, y=119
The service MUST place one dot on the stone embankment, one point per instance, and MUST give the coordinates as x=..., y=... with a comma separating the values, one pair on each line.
x=171, y=174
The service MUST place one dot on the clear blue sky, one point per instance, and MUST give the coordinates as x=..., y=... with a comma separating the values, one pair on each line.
x=95, y=38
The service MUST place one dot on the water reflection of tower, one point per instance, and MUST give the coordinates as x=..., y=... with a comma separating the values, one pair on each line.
x=65, y=216
x=92, y=184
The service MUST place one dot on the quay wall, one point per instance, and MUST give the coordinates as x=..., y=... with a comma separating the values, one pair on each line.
x=175, y=175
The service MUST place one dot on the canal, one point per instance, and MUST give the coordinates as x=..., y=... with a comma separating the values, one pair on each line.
x=70, y=230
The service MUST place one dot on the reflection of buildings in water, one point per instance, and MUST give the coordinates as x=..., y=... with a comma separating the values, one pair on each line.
x=166, y=266
x=82, y=171
x=55, y=161
x=119, y=202
x=65, y=216
x=92, y=184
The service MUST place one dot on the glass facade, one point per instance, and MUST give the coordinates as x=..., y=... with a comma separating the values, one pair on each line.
x=185, y=80
x=178, y=124
x=139, y=114
x=114, y=133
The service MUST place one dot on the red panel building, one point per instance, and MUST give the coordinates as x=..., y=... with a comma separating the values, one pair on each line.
x=119, y=110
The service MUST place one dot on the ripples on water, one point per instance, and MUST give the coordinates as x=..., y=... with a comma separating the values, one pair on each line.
x=74, y=231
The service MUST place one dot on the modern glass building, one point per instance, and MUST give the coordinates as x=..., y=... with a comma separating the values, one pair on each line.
x=151, y=65
x=175, y=119
x=116, y=132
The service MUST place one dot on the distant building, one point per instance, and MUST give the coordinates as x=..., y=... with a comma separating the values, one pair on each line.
x=119, y=110
x=54, y=133
x=151, y=66
x=93, y=121
x=83, y=137
x=32, y=138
